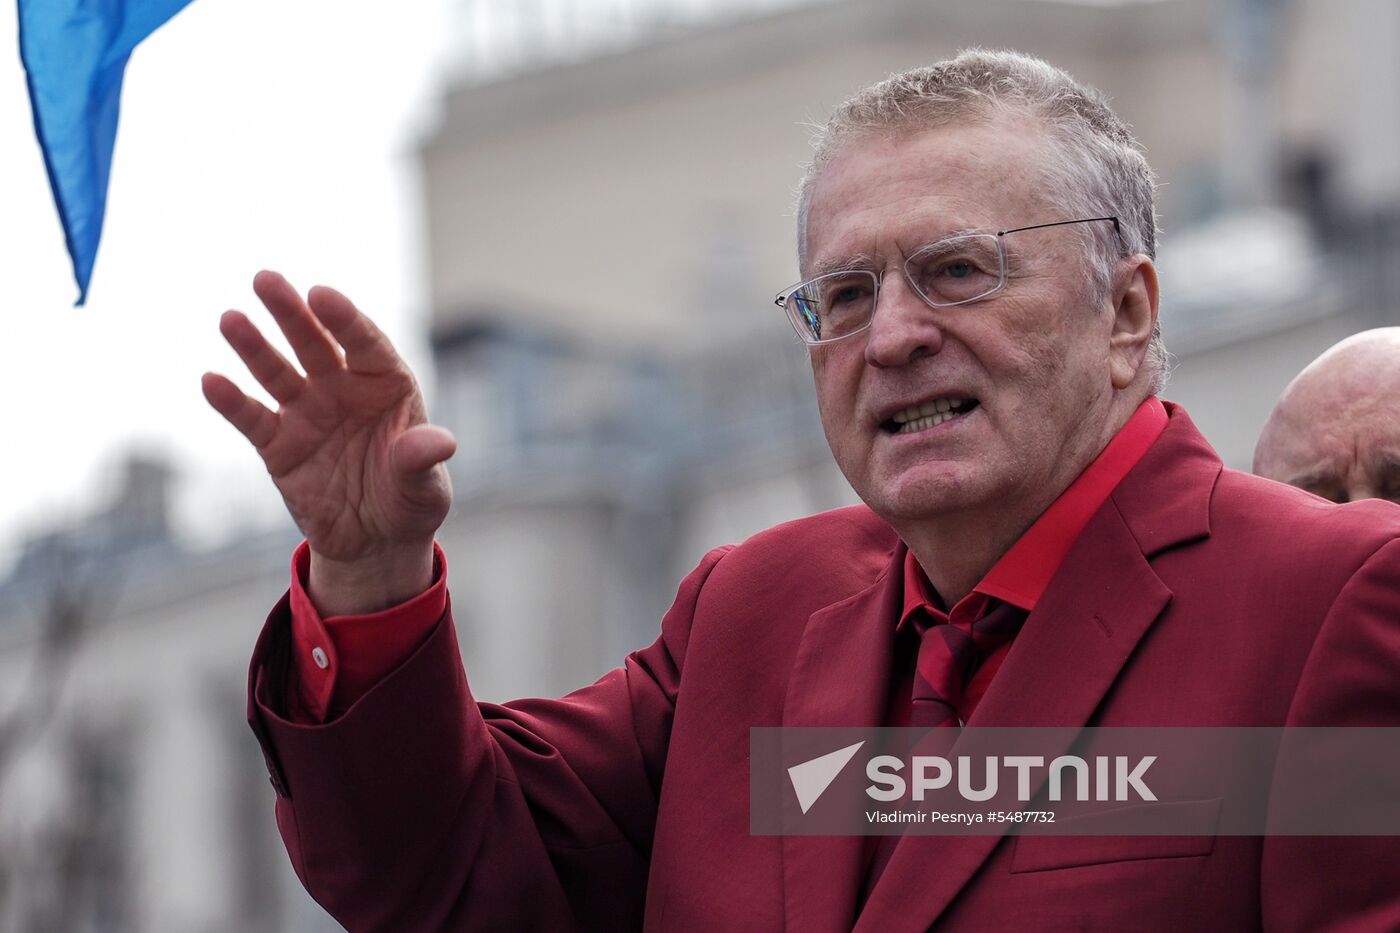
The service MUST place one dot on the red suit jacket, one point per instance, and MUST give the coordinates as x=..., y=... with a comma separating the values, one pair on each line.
x=1196, y=596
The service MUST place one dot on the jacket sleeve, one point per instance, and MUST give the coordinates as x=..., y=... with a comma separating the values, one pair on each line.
x=1346, y=884
x=421, y=809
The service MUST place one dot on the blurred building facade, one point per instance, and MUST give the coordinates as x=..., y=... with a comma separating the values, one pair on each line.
x=132, y=795
x=605, y=235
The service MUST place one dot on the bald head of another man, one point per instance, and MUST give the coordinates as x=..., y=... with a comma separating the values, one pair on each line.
x=1336, y=429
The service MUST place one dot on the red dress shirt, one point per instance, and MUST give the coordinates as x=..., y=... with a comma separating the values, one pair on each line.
x=336, y=660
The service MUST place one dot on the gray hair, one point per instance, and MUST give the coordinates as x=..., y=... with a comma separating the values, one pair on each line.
x=1097, y=168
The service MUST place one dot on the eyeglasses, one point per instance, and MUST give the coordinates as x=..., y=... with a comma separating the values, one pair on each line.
x=954, y=271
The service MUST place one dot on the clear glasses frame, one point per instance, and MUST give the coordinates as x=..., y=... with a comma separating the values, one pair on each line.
x=802, y=301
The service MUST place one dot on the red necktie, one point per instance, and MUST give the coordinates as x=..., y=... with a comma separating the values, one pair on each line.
x=951, y=654
x=956, y=662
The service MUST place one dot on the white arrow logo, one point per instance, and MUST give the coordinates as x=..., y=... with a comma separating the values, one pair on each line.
x=811, y=778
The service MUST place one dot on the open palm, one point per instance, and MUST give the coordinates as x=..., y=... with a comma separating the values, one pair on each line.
x=349, y=446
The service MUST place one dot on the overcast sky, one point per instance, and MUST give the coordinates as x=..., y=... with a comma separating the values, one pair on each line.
x=253, y=134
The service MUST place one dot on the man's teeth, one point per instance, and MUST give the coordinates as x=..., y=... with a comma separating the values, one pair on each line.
x=922, y=417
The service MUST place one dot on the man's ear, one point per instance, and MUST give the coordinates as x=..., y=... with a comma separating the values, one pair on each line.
x=1135, y=300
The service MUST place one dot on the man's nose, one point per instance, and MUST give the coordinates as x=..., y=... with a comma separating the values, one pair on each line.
x=903, y=328
x=1359, y=489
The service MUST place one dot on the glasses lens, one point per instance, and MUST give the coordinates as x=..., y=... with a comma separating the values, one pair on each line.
x=832, y=306
x=956, y=270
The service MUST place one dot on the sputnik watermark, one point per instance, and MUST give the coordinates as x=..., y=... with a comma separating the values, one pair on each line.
x=934, y=773
x=1076, y=781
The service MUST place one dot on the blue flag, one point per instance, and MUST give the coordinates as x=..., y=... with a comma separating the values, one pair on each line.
x=74, y=53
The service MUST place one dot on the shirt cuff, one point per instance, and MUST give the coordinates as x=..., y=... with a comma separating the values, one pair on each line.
x=336, y=660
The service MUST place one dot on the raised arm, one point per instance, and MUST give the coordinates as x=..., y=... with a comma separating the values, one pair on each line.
x=349, y=447
x=418, y=808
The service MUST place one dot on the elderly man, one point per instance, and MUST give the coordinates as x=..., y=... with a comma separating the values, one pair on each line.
x=1336, y=429
x=980, y=305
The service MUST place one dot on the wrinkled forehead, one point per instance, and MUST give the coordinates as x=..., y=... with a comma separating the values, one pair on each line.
x=1345, y=393
x=1336, y=430
x=897, y=189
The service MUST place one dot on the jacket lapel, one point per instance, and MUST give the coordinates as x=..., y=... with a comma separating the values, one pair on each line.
x=1072, y=648
x=841, y=677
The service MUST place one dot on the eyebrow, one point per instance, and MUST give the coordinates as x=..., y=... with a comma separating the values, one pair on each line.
x=862, y=262
x=1317, y=479
x=1386, y=466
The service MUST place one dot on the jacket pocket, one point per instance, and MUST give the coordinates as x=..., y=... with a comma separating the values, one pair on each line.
x=1045, y=853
